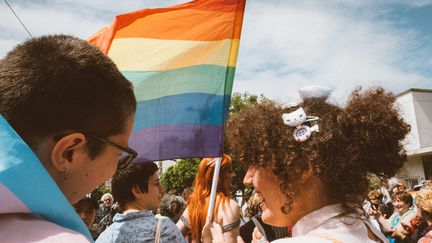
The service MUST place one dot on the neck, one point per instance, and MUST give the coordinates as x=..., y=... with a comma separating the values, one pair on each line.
x=313, y=196
x=135, y=206
x=64, y=182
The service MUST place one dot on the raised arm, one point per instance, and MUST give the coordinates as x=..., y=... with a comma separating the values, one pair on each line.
x=231, y=222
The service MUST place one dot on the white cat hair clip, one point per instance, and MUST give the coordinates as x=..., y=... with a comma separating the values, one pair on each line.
x=296, y=119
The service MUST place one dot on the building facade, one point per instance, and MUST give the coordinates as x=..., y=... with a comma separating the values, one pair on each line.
x=416, y=108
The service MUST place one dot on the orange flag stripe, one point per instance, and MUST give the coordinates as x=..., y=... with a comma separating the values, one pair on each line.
x=163, y=25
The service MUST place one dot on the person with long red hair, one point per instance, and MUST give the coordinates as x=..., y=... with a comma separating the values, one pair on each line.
x=226, y=211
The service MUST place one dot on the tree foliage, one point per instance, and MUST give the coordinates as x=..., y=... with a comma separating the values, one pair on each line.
x=99, y=191
x=180, y=176
x=240, y=101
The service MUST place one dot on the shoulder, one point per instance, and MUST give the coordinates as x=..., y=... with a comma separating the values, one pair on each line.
x=108, y=233
x=234, y=205
x=170, y=232
x=346, y=229
x=425, y=239
x=234, y=210
x=411, y=215
x=167, y=222
x=27, y=228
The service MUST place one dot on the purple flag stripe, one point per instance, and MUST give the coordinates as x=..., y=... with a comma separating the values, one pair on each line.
x=178, y=141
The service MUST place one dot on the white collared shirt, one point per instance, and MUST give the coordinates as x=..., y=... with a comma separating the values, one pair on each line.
x=328, y=224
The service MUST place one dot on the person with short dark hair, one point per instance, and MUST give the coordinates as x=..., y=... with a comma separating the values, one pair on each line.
x=385, y=191
x=72, y=106
x=138, y=191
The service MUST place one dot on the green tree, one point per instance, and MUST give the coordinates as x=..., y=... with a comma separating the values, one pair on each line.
x=240, y=101
x=99, y=191
x=180, y=176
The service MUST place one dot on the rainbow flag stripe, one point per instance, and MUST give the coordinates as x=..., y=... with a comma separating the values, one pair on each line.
x=181, y=61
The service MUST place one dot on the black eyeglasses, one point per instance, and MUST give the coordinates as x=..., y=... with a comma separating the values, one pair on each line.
x=127, y=156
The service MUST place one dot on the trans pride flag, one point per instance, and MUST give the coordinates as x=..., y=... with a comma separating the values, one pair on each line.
x=26, y=187
x=181, y=61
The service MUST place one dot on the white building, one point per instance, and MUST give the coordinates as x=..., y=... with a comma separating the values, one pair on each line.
x=416, y=108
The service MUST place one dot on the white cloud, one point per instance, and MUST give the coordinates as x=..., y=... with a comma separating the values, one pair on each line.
x=79, y=18
x=285, y=44
x=288, y=46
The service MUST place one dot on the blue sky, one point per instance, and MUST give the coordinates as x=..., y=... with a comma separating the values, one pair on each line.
x=286, y=44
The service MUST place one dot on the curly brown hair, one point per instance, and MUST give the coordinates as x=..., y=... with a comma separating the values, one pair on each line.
x=424, y=202
x=362, y=137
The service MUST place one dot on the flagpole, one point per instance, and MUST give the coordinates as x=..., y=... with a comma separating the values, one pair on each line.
x=213, y=190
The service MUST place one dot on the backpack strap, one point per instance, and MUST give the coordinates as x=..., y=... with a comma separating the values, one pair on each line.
x=158, y=230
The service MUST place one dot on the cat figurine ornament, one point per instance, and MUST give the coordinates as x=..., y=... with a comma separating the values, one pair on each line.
x=296, y=119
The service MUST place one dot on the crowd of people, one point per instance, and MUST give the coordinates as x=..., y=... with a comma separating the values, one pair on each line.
x=308, y=163
x=405, y=217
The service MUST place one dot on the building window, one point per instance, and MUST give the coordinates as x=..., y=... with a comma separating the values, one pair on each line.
x=427, y=166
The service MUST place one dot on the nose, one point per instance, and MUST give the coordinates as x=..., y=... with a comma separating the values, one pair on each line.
x=247, y=180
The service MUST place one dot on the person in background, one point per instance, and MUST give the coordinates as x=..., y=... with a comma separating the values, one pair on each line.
x=385, y=191
x=172, y=206
x=138, y=191
x=226, y=211
x=398, y=187
x=373, y=203
x=428, y=183
x=71, y=105
x=404, y=221
x=424, y=205
x=86, y=208
x=186, y=193
x=401, y=187
x=104, y=213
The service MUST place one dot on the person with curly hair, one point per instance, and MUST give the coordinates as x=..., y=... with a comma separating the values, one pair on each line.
x=226, y=211
x=424, y=205
x=310, y=167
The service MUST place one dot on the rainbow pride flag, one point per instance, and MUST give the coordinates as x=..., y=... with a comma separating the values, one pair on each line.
x=181, y=61
x=26, y=187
